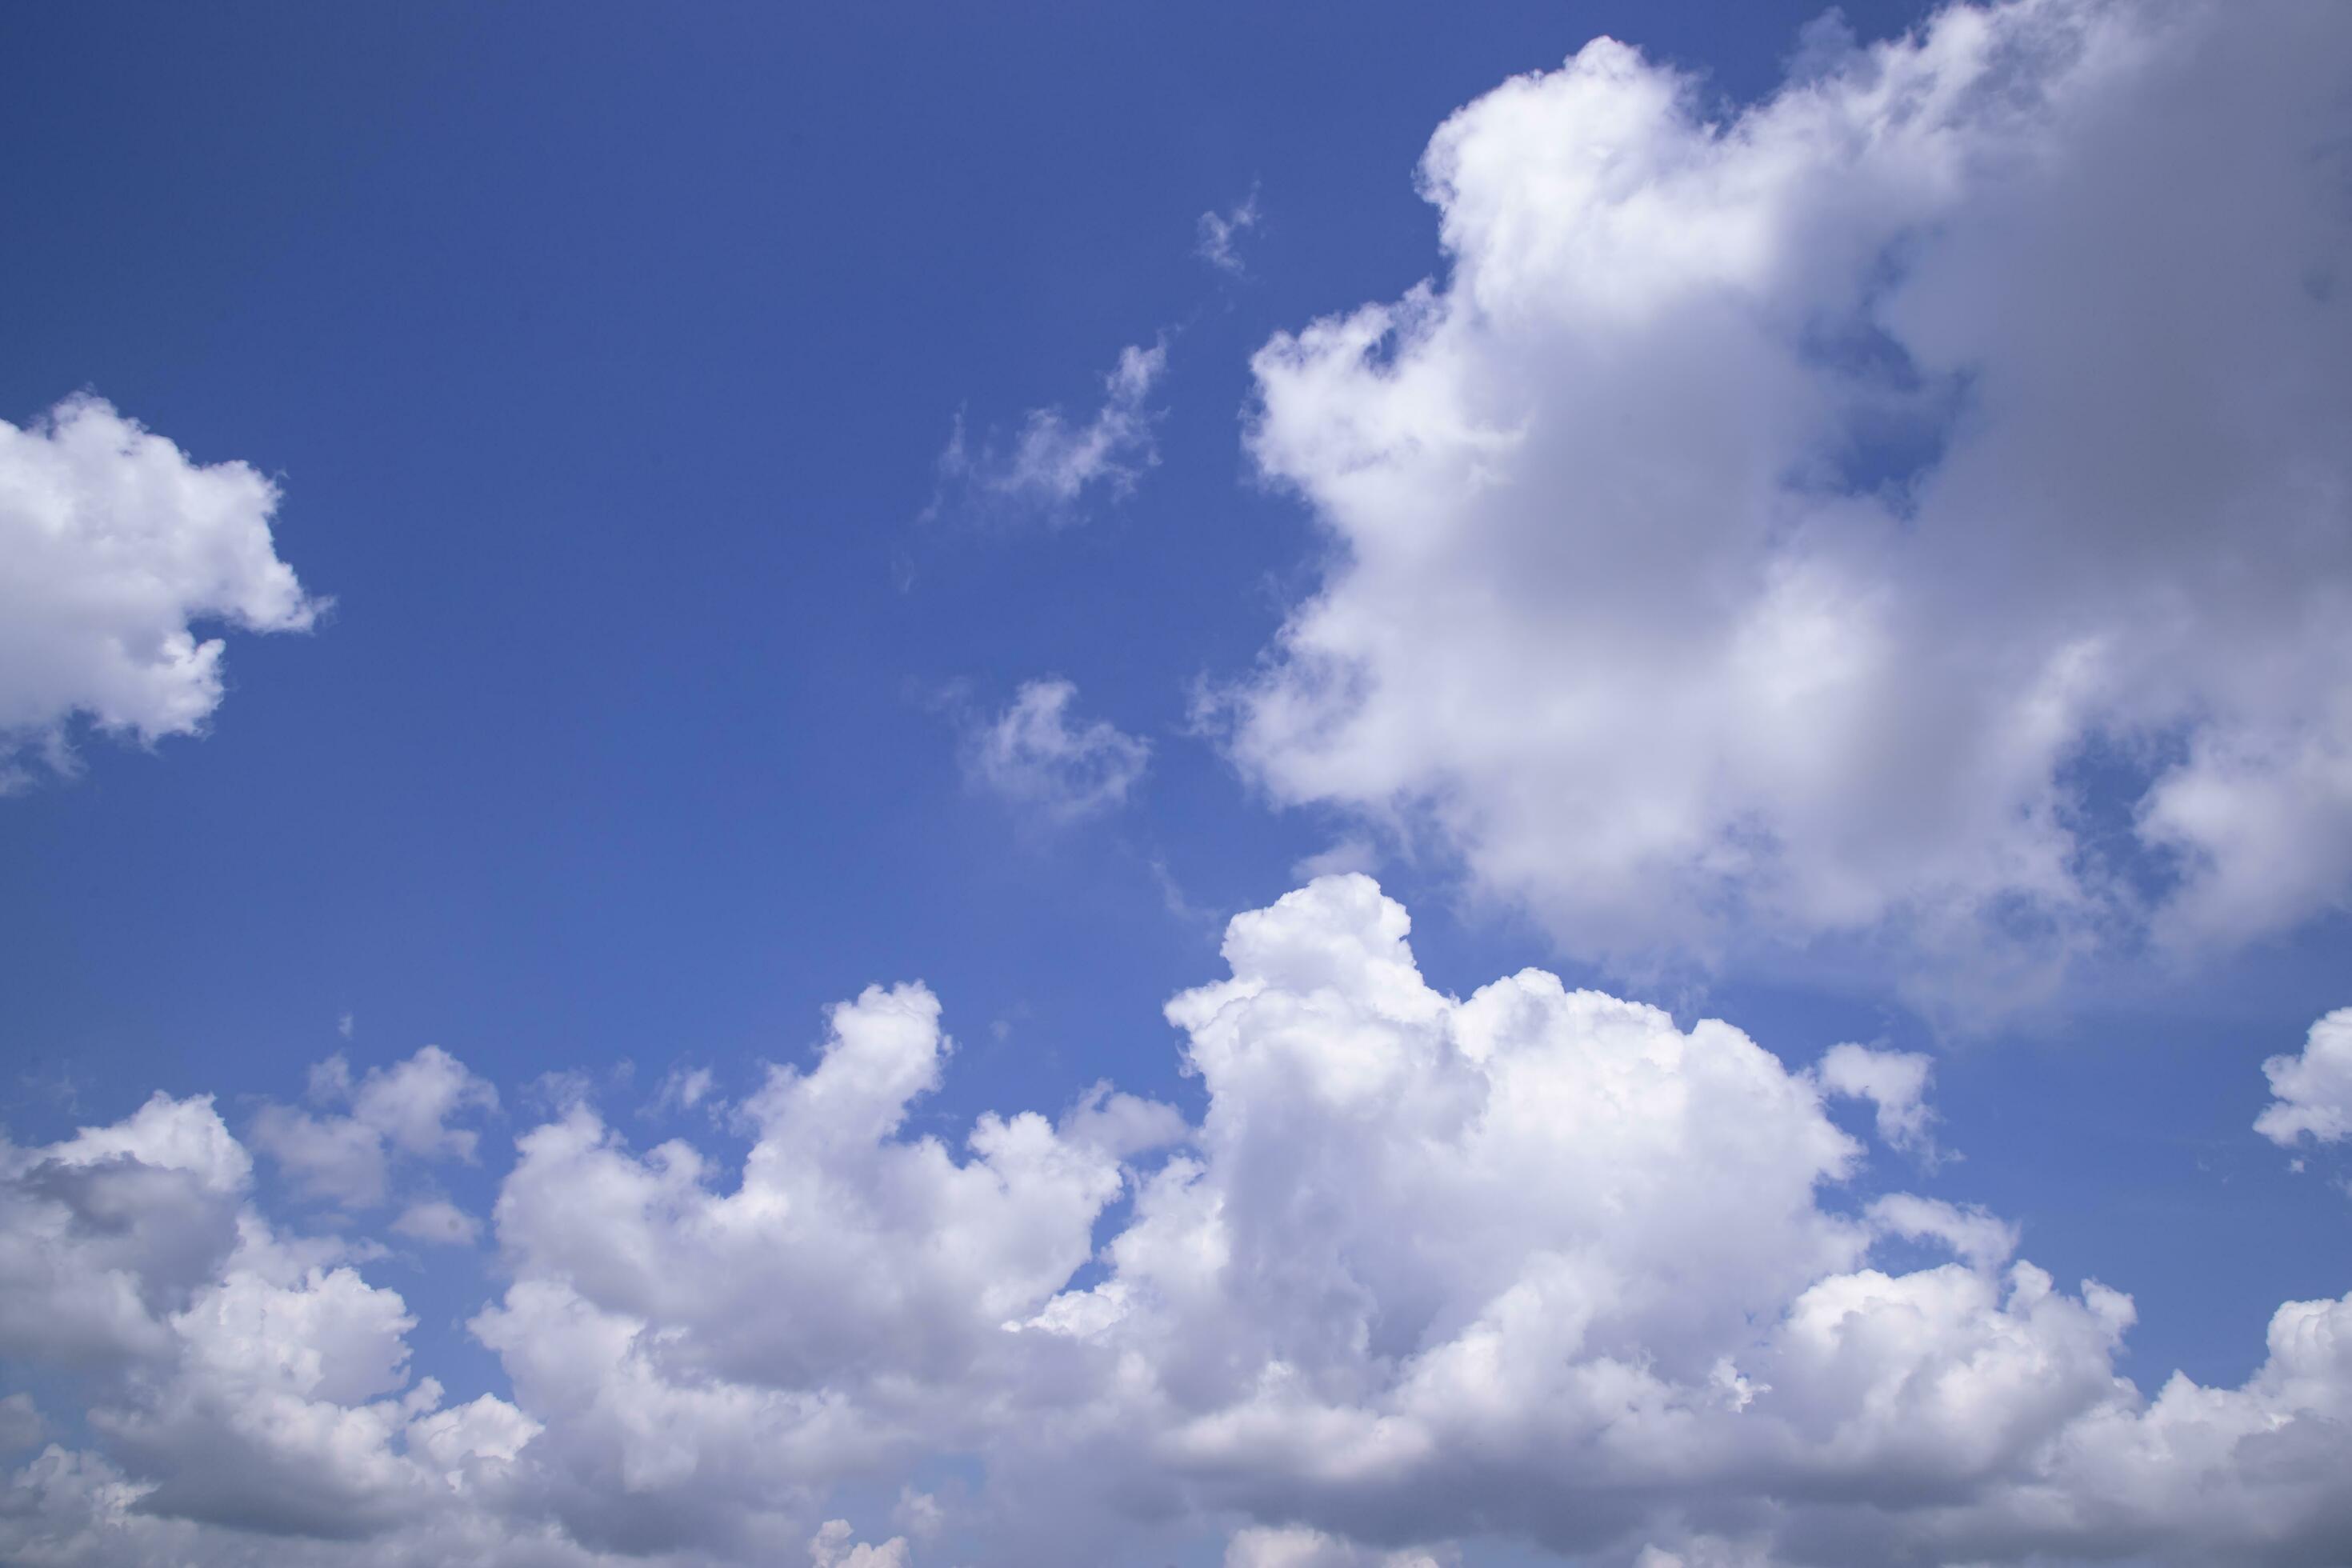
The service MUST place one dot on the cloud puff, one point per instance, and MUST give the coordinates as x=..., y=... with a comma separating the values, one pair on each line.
x=245, y=1386
x=1033, y=755
x=1911, y=510
x=1895, y=1082
x=833, y=1547
x=2311, y=1092
x=102, y=1234
x=1053, y=464
x=403, y=1109
x=114, y=549
x=438, y=1222
x=1533, y=1263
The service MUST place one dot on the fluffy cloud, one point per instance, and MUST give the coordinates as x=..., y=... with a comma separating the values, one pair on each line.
x=706, y=1357
x=103, y=1235
x=832, y=1547
x=1053, y=464
x=2311, y=1092
x=115, y=548
x=1034, y=756
x=405, y=1108
x=1895, y=1084
x=1911, y=510
x=1540, y=1262
x=243, y=1384
x=1532, y=1263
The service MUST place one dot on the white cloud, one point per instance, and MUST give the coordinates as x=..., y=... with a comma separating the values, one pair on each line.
x=1221, y=234
x=685, y=1088
x=832, y=1547
x=1033, y=755
x=102, y=1233
x=405, y=1108
x=1774, y=517
x=2311, y=1093
x=438, y=1222
x=1895, y=1082
x=1053, y=464
x=239, y=1378
x=1701, y=1551
x=1259, y=1547
x=1532, y=1263
x=1121, y=1125
x=1540, y=1262
x=115, y=550
x=1352, y=853
x=1971, y=1234
x=918, y=1513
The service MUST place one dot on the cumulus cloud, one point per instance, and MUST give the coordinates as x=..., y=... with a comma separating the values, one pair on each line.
x=1220, y=236
x=237, y=1379
x=1909, y=512
x=918, y=1513
x=405, y=1108
x=117, y=549
x=833, y=1546
x=1533, y=1263
x=2311, y=1092
x=100, y=1234
x=1034, y=756
x=1053, y=464
x=1514, y=1262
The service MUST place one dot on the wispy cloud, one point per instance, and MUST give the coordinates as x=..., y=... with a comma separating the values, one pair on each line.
x=1221, y=234
x=1037, y=756
x=1053, y=464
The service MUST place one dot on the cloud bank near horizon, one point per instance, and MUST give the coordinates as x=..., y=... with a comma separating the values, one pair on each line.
x=1533, y=1263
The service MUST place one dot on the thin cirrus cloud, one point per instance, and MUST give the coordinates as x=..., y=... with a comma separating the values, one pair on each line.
x=117, y=551
x=1053, y=466
x=1535, y=1262
x=1909, y=512
x=1040, y=756
x=1220, y=236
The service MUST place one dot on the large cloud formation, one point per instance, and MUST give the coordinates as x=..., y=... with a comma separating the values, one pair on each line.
x=1533, y=1264
x=114, y=548
x=1914, y=509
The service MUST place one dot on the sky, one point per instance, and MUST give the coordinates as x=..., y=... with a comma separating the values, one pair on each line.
x=1233, y=786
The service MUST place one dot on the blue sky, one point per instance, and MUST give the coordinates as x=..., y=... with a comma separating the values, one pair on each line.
x=1875, y=585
